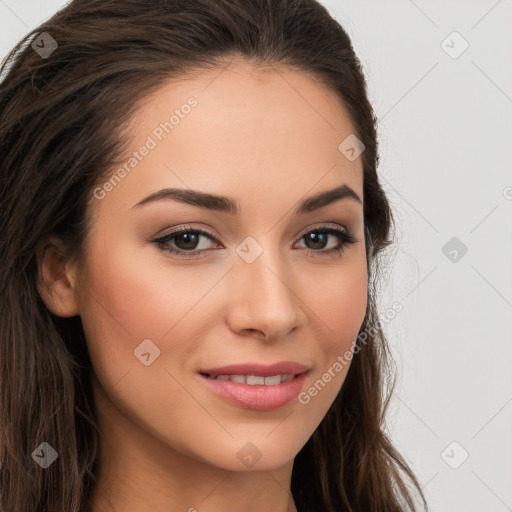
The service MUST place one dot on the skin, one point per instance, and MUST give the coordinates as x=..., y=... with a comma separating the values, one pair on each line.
x=268, y=138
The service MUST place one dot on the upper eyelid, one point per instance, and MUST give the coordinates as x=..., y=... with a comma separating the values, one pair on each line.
x=207, y=233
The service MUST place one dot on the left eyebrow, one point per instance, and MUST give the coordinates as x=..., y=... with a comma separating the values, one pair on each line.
x=327, y=198
x=229, y=205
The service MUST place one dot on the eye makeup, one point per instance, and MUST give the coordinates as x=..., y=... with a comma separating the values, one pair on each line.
x=190, y=235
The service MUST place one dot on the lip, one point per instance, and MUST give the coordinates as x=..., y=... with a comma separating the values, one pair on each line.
x=256, y=397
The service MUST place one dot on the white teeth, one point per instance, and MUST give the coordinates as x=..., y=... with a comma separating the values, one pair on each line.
x=256, y=380
x=272, y=381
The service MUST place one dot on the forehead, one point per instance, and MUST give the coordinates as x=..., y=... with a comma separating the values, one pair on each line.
x=240, y=129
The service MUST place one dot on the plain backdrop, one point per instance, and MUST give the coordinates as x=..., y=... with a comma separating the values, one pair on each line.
x=440, y=79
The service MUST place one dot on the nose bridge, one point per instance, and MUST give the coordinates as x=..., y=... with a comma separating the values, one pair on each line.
x=264, y=299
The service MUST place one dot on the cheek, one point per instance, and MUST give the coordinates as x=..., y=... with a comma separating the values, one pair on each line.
x=341, y=304
x=134, y=297
x=130, y=298
x=124, y=302
x=339, y=310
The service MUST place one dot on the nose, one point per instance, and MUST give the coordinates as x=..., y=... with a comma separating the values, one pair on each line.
x=262, y=298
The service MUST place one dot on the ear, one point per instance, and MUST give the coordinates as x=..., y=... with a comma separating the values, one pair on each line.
x=56, y=277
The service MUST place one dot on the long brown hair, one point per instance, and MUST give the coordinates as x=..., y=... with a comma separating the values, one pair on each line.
x=62, y=115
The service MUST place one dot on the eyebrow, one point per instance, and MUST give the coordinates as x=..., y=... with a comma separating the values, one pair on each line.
x=229, y=205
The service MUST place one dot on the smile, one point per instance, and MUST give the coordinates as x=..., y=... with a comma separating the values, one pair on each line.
x=255, y=380
x=262, y=393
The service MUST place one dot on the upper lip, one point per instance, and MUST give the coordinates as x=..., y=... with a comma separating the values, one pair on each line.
x=283, y=367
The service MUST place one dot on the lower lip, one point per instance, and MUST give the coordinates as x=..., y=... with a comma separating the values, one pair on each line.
x=258, y=397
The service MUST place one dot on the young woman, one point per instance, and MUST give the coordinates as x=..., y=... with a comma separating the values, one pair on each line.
x=190, y=235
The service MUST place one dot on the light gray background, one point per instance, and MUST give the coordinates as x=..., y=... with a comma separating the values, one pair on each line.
x=445, y=129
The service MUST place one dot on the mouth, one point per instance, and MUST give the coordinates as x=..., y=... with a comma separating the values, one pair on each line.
x=254, y=386
x=254, y=380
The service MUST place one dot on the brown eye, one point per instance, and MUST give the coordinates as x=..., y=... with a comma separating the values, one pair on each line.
x=186, y=240
x=317, y=239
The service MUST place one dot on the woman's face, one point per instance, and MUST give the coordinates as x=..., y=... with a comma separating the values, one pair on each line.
x=262, y=285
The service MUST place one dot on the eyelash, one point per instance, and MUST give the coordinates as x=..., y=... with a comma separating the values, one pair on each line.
x=343, y=235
